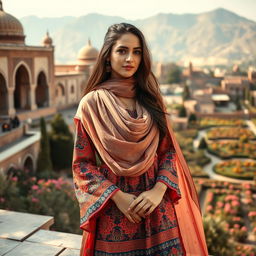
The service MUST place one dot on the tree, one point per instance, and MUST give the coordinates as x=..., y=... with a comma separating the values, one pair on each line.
x=192, y=118
x=238, y=103
x=202, y=144
x=61, y=141
x=174, y=74
x=186, y=93
x=44, y=163
x=182, y=112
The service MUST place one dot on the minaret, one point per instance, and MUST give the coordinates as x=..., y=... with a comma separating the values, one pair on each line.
x=190, y=69
x=47, y=41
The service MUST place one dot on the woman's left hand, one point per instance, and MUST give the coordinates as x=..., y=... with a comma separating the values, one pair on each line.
x=147, y=201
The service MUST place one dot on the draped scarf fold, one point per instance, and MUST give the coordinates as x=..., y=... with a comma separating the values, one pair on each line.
x=128, y=146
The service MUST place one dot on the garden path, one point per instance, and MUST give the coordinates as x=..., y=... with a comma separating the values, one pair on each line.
x=208, y=168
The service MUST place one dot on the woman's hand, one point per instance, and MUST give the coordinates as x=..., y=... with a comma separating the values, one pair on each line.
x=123, y=201
x=147, y=201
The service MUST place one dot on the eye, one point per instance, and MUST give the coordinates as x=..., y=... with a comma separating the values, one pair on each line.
x=137, y=52
x=121, y=51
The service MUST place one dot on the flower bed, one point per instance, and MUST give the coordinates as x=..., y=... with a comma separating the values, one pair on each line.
x=228, y=149
x=233, y=204
x=211, y=122
x=240, y=169
x=230, y=133
x=55, y=197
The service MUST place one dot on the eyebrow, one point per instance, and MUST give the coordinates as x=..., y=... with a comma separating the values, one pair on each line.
x=125, y=47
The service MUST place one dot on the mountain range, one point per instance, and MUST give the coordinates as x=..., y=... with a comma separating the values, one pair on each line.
x=217, y=37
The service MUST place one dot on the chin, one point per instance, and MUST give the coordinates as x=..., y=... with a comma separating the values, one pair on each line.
x=127, y=75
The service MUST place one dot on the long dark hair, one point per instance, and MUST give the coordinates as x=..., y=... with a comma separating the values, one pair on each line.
x=147, y=88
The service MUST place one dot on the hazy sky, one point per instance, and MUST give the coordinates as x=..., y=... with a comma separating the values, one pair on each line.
x=129, y=9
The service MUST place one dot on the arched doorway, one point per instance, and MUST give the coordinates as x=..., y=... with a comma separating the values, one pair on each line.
x=42, y=91
x=3, y=96
x=28, y=164
x=60, y=94
x=22, y=87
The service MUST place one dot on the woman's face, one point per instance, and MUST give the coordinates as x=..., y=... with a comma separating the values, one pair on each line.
x=125, y=56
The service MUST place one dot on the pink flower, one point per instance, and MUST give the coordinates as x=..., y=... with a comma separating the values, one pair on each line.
x=34, y=200
x=235, y=203
x=220, y=204
x=218, y=211
x=41, y=181
x=231, y=198
x=14, y=178
x=231, y=231
x=236, y=218
x=247, y=201
x=247, y=185
x=237, y=226
x=252, y=214
x=34, y=187
x=248, y=192
x=244, y=229
x=209, y=208
x=2, y=200
x=227, y=208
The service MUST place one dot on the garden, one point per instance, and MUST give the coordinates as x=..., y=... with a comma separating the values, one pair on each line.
x=196, y=159
x=239, y=169
x=230, y=149
x=204, y=123
x=23, y=192
x=230, y=133
x=230, y=214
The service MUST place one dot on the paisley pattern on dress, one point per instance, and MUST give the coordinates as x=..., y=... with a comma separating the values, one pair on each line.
x=157, y=234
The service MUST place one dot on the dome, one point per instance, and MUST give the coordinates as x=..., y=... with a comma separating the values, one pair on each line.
x=47, y=41
x=88, y=53
x=11, y=30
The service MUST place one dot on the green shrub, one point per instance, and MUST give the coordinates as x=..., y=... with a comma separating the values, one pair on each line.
x=61, y=141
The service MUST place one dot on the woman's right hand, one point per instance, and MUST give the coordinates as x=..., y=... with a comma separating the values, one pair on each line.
x=123, y=201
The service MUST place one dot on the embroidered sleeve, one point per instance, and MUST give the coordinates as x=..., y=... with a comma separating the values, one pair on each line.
x=167, y=172
x=92, y=189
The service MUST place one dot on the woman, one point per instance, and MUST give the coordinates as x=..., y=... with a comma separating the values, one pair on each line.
x=127, y=163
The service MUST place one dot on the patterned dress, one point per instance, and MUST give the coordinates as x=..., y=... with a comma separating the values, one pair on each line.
x=156, y=235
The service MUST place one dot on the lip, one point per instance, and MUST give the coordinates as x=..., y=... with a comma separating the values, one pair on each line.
x=128, y=67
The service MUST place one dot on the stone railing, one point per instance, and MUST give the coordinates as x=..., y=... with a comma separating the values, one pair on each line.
x=26, y=234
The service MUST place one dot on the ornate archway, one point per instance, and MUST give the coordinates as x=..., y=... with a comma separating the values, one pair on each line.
x=22, y=87
x=42, y=94
x=3, y=96
x=60, y=94
x=28, y=164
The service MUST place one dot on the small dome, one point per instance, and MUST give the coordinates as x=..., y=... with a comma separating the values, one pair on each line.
x=88, y=53
x=47, y=41
x=11, y=30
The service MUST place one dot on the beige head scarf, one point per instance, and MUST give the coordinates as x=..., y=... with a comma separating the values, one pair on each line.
x=127, y=145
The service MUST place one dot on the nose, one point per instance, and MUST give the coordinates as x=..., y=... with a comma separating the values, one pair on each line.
x=129, y=56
